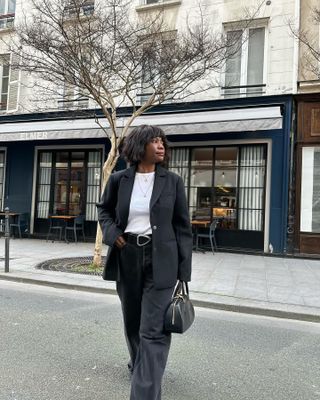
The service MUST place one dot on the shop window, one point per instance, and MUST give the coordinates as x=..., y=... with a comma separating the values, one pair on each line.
x=251, y=188
x=44, y=184
x=244, y=72
x=93, y=188
x=179, y=163
x=201, y=183
x=224, y=183
x=68, y=183
x=310, y=190
x=2, y=169
x=225, y=186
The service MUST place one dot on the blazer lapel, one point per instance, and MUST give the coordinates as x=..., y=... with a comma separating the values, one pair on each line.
x=159, y=181
x=124, y=195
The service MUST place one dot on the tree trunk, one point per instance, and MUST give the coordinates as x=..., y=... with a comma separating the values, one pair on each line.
x=107, y=170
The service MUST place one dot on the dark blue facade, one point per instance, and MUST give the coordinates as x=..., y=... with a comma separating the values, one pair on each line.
x=20, y=155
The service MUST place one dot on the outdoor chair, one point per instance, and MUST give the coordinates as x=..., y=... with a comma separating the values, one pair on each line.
x=21, y=224
x=210, y=235
x=78, y=226
x=55, y=227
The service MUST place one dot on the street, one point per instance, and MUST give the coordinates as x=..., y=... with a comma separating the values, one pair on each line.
x=68, y=345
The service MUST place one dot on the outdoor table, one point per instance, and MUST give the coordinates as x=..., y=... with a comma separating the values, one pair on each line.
x=12, y=215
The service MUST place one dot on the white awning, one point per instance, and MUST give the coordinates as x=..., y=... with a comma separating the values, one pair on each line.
x=217, y=121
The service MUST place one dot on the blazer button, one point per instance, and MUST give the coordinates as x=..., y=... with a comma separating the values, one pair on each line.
x=154, y=227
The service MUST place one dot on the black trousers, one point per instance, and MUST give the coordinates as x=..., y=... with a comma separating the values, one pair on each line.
x=143, y=309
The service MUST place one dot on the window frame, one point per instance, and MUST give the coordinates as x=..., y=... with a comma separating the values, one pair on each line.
x=6, y=11
x=86, y=9
x=6, y=17
x=69, y=150
x=2, y=192
x=144, y=6
x=244, y=60
x=239, y=167
x=142, y=93
x=306, y=192
x=2, y=65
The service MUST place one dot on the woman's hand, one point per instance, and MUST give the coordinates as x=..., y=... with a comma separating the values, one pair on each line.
x=120, y=242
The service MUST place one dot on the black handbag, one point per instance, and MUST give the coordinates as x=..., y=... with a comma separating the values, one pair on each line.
x=180, y=313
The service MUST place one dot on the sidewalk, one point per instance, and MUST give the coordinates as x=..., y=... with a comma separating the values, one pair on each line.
x=283, y=287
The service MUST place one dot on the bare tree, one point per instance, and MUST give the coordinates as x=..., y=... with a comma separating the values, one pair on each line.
x=111, y=55
x=309, y=40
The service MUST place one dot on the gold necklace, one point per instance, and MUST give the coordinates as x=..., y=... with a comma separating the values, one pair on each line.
x=142, y=191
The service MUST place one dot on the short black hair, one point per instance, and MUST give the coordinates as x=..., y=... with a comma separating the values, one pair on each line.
x=134, y=147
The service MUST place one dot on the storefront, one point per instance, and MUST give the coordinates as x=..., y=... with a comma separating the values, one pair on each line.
x=307, y=215
x=68, y=183
x=227, y=182
x=233, y=156
x=51, y=167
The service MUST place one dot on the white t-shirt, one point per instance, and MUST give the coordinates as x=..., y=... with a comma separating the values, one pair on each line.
x=139, y=211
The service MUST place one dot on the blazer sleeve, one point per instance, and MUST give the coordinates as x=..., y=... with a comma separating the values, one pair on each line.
x=183, y=231
x=106, y=212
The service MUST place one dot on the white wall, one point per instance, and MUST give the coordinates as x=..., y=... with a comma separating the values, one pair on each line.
x=279, y=63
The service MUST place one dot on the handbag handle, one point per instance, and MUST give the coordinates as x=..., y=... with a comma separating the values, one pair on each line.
x=181, y=288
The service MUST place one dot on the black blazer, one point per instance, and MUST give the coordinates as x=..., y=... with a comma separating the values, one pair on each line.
x=170, y=223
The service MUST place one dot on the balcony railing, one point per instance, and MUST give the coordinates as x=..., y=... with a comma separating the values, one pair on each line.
x=6, y=21
x=76, y=103
x=144, y=96
x=143, y=3
x=243, y=90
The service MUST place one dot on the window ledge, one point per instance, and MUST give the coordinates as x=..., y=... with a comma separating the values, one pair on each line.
x=6, y=30
x=156, y=6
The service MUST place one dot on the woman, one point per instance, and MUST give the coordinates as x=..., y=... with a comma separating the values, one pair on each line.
x=144, y=218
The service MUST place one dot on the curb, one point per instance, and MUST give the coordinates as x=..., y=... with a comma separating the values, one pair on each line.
x=262, y=311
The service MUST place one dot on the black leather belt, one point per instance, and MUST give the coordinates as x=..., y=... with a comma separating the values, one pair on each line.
x=139, y=240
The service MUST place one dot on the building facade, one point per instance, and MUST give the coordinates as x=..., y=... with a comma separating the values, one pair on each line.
x=232, y=143
x=306, y=201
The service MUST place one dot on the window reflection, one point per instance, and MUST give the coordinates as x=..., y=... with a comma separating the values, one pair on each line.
x=201, y=183
x=226, y=183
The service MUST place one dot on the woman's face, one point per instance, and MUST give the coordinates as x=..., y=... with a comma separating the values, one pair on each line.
x=155, y=151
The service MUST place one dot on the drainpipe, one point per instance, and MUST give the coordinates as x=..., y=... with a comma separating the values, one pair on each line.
x=296, y=47
x=291, y=226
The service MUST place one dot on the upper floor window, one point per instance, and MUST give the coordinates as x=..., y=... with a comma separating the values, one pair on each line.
x=245, y=66
x=7, y=6
x=9, y=82
x=4, y=81
x=83, y=8
x=160, y=48
x=72, y=98
x=7, y=11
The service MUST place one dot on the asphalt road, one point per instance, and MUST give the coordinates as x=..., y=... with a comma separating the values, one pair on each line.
x=66, y=345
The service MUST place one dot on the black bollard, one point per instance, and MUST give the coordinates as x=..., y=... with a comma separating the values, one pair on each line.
x=7, y=240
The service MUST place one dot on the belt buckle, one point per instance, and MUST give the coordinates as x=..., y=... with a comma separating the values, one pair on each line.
x=144, y=237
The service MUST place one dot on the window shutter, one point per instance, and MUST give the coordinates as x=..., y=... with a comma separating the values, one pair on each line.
x=14, y=83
